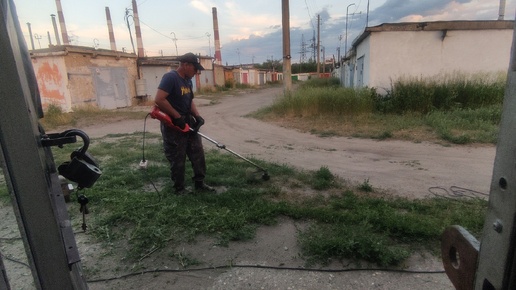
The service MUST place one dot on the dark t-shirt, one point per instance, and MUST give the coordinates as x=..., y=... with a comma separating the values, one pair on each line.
x=180, y=94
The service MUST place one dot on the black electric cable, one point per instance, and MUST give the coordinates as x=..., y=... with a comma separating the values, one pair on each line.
x=456, y=192
x=266, y=267
x=145, y=160
x=10, y=239
x=14, y=260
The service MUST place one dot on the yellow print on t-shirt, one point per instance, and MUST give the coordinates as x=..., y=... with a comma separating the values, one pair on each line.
x=185, y=90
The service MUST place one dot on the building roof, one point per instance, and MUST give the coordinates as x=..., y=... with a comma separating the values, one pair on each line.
x=436, y=26
x=165, y=60
x=65, y=49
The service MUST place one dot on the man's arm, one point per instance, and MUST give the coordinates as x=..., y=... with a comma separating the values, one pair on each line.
x=193, y=110
x=164, y=105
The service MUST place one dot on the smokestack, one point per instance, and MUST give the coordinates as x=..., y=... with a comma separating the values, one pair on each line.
x=30, y=33
x=60, y=14
x=110, y=29
x=501, y=14
x=139, y=42
x=49, y=39
x=218, y=57
x=55, y=28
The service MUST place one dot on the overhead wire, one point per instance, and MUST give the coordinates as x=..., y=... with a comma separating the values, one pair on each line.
x=310, y=15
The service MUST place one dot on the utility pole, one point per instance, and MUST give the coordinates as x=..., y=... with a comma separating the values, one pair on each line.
x=346, y=40
x=338, y=49
x=175, y=42
x=318, y=45
x=127, y=15
x=367, y=15
x=323, y=59
x=38, y=37
x=343, y=70
x=287, y=71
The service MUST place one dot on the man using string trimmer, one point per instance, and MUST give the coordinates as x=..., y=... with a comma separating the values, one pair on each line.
x=175, y=98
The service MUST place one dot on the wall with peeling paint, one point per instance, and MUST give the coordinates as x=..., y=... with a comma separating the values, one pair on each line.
x=72, y=76
x=52, y=81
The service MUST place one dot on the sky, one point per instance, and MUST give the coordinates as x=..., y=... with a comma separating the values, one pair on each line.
x=250, y=31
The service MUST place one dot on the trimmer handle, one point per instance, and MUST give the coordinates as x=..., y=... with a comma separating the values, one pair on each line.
x=156, y=113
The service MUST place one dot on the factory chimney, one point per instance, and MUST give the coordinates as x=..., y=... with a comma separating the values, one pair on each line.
x=218, y=57
x=110, y=29
x=31, y=38
x=138, y=31
x=56, y=32
x=60, y=14
x=501, y=14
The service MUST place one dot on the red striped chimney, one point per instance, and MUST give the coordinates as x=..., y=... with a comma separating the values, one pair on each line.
x=139, y=41
x=218, y=57
x=60, y=15
x=110, y=29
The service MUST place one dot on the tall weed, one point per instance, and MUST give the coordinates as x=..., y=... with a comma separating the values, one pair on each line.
x=320, y=83
x=442, y=92
x=315, y=101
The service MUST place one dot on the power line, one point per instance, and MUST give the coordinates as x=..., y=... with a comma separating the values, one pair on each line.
x=309, y=15
x=164, y=35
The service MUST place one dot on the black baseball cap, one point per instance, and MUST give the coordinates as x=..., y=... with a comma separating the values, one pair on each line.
x=191, y=58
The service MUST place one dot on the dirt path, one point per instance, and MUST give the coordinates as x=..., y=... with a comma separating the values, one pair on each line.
x=404, y=168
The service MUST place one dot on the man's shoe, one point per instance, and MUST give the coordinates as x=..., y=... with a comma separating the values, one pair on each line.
x=201, y=186
x=182, y=191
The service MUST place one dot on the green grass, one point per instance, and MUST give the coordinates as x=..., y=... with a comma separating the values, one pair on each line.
x=344, y=222
x=457, y=109
x=311, y=101
x=54, y=117
x=358, y=224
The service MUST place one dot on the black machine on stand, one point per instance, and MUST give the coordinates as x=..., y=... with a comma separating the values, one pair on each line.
x=29, y=169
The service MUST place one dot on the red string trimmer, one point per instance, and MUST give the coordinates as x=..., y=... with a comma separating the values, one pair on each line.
x=156, y=113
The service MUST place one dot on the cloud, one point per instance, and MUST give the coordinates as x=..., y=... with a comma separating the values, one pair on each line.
x=201, y=6
x=435, y=10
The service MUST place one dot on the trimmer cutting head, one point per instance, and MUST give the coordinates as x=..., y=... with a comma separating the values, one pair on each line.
x=256, y=175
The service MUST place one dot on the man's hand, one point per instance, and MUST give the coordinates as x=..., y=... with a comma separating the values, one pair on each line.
x=199, y=121
x=179, y=122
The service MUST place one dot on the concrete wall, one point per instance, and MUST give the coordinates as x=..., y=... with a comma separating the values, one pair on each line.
x=218, y=71
x=390, y=55
x=70, y=77
x=51, y=74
